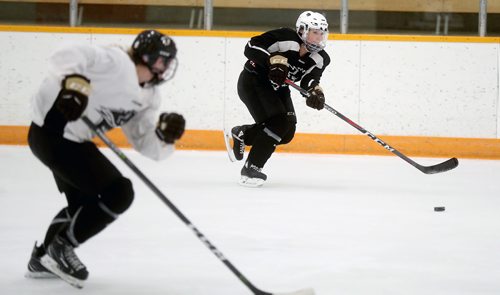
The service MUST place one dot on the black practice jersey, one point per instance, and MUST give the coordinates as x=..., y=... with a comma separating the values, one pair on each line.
x=286, y=42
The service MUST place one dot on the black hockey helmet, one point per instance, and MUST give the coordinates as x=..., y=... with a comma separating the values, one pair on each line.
x=156, y=51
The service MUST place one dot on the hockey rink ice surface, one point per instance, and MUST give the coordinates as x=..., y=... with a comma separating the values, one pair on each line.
x=340, y=224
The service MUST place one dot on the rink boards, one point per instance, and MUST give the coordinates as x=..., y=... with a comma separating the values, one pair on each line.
x=425, y=95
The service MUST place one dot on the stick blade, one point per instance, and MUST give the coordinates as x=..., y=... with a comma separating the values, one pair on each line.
x=308, y=291
x=441, y=167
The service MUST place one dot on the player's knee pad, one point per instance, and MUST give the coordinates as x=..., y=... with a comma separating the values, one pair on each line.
x=117, y=197
x=289, y=134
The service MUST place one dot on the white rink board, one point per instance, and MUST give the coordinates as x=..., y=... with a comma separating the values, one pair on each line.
x=432, y=89
x=390, y=88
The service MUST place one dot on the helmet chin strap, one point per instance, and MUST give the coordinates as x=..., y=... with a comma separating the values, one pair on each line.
x=155, y=80
x=160, y=78
x=310, y=47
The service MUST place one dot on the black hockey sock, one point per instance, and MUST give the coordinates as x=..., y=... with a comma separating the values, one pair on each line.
x=251, y=132
x=262, y=149
x=58, y=224
x=94, y=216
x=87, y=222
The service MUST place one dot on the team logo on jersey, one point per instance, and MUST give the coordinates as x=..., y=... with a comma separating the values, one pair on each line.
x=295, y=73
x=114, y=118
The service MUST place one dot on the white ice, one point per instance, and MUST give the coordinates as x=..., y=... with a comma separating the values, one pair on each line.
x=340, y=224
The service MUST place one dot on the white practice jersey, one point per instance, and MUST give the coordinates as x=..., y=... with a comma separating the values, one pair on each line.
x=116, y=98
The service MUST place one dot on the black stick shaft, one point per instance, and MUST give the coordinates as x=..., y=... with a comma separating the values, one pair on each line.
x=172, y=207
x=445, y=166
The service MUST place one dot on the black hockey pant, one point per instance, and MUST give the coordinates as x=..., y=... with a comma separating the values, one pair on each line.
x=95, y=190
x=273, y=113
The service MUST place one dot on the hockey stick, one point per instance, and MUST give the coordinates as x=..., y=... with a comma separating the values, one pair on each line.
x=179, y=214
x=438, y=168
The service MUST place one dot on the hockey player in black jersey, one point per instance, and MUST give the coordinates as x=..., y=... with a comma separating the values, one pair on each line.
x=274, y=56
x=112, y=87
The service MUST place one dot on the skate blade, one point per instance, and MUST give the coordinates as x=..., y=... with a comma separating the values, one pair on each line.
x=251, y=182
x=40, y=275
x=52, y=265
x=230, y=153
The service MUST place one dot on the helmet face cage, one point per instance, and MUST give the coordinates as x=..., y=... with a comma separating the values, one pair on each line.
x=160, y=77
x=151, y=46
x=308, y=21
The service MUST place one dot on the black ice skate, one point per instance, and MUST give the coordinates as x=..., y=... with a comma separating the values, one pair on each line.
x=251, y=175
x=63, y=262
x=35, y=268
x=238, y=143
x=236, y=150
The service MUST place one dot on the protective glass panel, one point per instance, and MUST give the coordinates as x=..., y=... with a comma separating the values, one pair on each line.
x=422, y=17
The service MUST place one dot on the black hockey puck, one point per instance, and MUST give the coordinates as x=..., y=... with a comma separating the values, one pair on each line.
x=438, y=209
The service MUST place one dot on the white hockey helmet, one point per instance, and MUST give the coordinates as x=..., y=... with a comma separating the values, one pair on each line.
x=307, y=21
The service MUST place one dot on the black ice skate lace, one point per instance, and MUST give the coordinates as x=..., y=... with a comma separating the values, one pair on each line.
x=242, y=147
x=73, y=259
x=241, y=143
x=258, y=169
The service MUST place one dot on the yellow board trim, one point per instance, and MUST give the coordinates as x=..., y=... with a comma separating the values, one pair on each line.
x=417, y=146
x=245, y=34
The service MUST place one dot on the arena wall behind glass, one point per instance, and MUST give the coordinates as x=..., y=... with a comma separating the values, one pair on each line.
x=416, y=17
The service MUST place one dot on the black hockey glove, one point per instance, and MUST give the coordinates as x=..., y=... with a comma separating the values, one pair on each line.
x=170, y=127
x=316, y=99
x=73, y=97
x=278, y=69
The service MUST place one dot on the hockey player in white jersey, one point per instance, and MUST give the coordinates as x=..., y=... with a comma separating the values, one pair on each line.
x=112, y=87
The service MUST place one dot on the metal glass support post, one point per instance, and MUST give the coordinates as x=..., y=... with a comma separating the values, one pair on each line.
x=446, y=23
x=344, y=16
x=438, y=23
x=208, y=14
x=73, y=12
x=483, y=7
x=192, y=17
